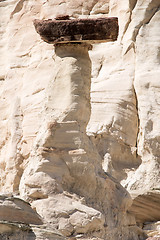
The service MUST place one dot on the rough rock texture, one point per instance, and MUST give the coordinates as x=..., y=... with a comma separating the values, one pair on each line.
x=67, y=142
x=77, y=30
x=154, y=238
x=152, y=229
x=14, y=231
x=19, y=231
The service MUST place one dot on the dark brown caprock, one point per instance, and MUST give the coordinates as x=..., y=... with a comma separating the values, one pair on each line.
x=62, y=30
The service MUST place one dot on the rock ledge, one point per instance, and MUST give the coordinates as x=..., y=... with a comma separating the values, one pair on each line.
x=78, y=30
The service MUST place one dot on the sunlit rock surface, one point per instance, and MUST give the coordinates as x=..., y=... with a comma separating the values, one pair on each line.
x=66, y=144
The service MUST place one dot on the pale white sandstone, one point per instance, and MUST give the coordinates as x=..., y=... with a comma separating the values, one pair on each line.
x=120, y=116
x=146, y=83
x=63, y=157
x=69, y=215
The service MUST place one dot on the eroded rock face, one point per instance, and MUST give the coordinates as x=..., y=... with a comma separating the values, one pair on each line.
x=46, y=157
x=64, y=161
x=152, y=229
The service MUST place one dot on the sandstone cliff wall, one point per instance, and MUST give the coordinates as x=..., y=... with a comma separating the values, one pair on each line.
x=74, y=126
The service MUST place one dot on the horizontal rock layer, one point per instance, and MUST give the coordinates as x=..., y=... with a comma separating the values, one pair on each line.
x=13, y=209
x=146, y=207
x=78, y=30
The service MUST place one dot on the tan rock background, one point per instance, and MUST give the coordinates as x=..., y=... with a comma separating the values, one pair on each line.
x=70, y=171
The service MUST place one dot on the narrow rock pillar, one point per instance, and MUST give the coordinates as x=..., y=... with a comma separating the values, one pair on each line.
x=68, y=107
x=67, y=155
x=69, y=95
